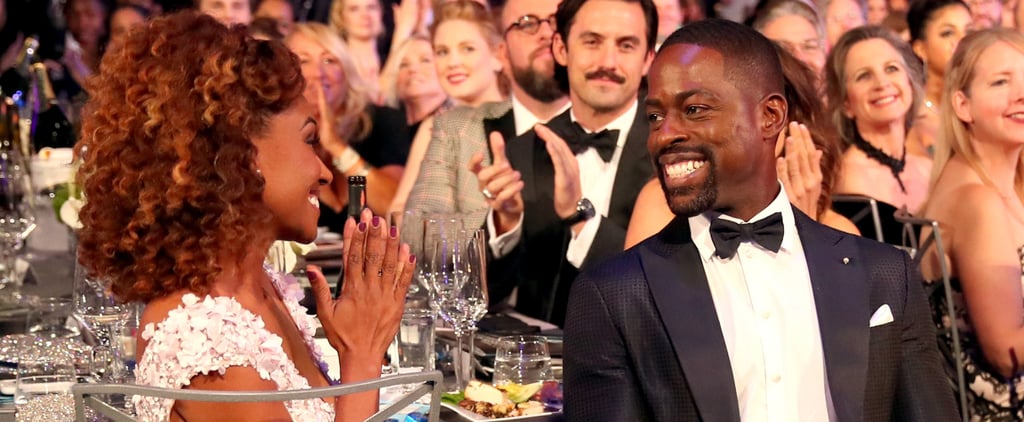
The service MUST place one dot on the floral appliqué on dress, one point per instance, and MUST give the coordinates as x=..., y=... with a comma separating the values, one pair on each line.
x=207, y=335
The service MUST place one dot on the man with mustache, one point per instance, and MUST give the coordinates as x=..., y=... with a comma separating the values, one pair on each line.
x=743, y=308
x=561, y=195
x=445, y=184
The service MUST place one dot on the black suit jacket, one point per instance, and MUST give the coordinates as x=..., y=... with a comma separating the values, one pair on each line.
x=538, y=266
x=643, y=340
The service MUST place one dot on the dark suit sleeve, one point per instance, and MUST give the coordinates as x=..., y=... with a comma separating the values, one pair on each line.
x=599, y=381
x=608, y=242
x=922, y=393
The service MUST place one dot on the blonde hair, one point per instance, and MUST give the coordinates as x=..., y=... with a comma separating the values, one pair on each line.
x=955, y=134
x=389, y=76
x=352, y=120
x=478, y=14
x=337, y=20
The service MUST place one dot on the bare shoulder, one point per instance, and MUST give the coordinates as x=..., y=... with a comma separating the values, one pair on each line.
x=235, y=378
x=157, y=309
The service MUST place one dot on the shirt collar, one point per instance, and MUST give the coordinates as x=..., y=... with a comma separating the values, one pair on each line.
x=524, y=119
x=700, y=225
x=623, y=123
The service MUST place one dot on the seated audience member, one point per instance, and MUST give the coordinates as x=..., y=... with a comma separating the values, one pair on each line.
x=466, y=54
x=555, y=209
x=743, y=309
x=675, y=13
x=877, y=11
x=445, y=183
x=280, y=11
x=358, y=138
x=188, y=187
x=936, y=26
x=976, y=197
x=795, y=25
x=123, y=19
x=83, y=45
x=264, y=28
x=874, y=91
x=227, y=12
x=807, y=163
x=986, y=13
x=840, y=16
x=413, y=85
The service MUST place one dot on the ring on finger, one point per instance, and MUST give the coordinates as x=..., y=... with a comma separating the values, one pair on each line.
x=487, y=193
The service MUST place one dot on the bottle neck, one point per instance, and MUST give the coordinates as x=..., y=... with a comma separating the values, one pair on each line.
x=45, y=87
x=27, y=54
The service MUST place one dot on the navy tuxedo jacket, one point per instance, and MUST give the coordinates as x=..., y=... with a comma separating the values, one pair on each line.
x=643, y=340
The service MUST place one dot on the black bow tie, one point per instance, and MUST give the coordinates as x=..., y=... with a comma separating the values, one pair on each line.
x=727, y=235
x=604, y=141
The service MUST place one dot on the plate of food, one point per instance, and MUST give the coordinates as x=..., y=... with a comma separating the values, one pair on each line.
x=535, y=402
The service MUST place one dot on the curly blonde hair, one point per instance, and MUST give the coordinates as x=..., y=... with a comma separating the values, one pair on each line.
x=168, y=166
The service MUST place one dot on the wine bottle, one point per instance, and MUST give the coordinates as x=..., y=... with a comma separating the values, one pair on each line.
x=14, y=82
x=356, y=196
x=52, y=128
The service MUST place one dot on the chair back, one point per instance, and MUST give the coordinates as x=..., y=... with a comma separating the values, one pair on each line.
x=863, y=212
x=913, y=228
x=86, y=395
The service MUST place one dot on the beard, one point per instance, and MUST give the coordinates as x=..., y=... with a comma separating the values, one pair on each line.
x=702, y=197
x=541, y=87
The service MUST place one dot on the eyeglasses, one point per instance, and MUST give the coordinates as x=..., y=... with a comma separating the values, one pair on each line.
x=530, y=24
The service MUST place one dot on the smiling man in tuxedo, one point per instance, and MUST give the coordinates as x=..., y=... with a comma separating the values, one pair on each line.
x=562, y=194
x=743, y=308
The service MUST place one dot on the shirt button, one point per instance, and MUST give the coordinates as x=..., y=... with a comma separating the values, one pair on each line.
x=776, y=378
x=766, y=315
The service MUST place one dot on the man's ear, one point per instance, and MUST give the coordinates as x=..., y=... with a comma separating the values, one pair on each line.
x=774, y=112
x=503, y=58
x=558, y=49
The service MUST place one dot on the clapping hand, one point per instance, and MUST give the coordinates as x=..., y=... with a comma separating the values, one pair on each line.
x=568, y=191
x=362, y=322
x=500, y=184
x=800, y=168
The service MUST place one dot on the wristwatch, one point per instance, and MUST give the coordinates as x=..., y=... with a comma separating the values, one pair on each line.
x=584, y=212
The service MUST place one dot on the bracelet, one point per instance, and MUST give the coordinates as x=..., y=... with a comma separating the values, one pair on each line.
x=347, y=160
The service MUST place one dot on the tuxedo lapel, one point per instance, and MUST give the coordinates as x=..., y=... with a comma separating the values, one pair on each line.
x=635, y=168
x=842, y=301
x=504, y=124
x=679, y=286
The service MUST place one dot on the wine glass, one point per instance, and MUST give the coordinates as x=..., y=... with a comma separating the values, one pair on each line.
x=460, y=286
x=101, y=314
x=17, y=221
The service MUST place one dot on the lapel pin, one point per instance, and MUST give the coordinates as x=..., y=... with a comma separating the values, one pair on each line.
x=846, y=260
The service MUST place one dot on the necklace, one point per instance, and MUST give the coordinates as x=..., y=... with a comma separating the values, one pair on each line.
x=895, y=165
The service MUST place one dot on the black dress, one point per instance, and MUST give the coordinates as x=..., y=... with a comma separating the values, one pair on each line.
x=387, y=144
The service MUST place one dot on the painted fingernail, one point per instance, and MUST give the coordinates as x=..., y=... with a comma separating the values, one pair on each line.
x=394, y=232
x=412, y=258
x=362, y=227
x=376, y=221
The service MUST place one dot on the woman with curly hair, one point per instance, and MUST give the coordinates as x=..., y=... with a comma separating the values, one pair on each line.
x=359, y=138
x=191, y=169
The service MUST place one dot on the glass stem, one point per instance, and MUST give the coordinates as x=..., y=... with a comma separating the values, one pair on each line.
x=8, y=258
x=460, y=358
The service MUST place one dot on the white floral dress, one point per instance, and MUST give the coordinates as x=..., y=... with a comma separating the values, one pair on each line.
x=211, y=334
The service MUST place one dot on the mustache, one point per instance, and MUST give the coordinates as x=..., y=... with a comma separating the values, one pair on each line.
x=607, y=74
x=540, y=51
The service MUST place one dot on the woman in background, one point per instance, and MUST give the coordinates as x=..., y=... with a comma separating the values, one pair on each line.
x=977, y=197
x=358, y=138
x=192, y=168
x=936, y=27
x=465, y=42
x=413, y=86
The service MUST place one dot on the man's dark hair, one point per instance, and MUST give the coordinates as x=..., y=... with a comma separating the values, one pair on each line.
x=565, y=16
x=749, y=57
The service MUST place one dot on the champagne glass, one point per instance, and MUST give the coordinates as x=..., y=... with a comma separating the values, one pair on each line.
x=17, y=221
x=460, y=286
x=98, y=310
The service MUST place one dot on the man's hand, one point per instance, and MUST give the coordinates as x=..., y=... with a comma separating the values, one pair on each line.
x=567, y=172
x=500, y=184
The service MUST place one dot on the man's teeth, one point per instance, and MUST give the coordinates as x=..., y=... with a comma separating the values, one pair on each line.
x=683, y=168
x=314, y=201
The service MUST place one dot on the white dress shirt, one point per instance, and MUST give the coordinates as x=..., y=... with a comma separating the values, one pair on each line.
x=524, y=119
x=597, y=178
x=765, y=306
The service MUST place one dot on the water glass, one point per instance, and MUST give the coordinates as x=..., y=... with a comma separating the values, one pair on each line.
x=48, y=317
x=416, y=341
x=46, y=372
x=522, y=360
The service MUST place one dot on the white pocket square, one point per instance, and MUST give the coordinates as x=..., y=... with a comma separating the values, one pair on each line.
x=882, y=316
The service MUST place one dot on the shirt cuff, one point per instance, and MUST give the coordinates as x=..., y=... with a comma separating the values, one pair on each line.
x=503, y=245
x=579, y=245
